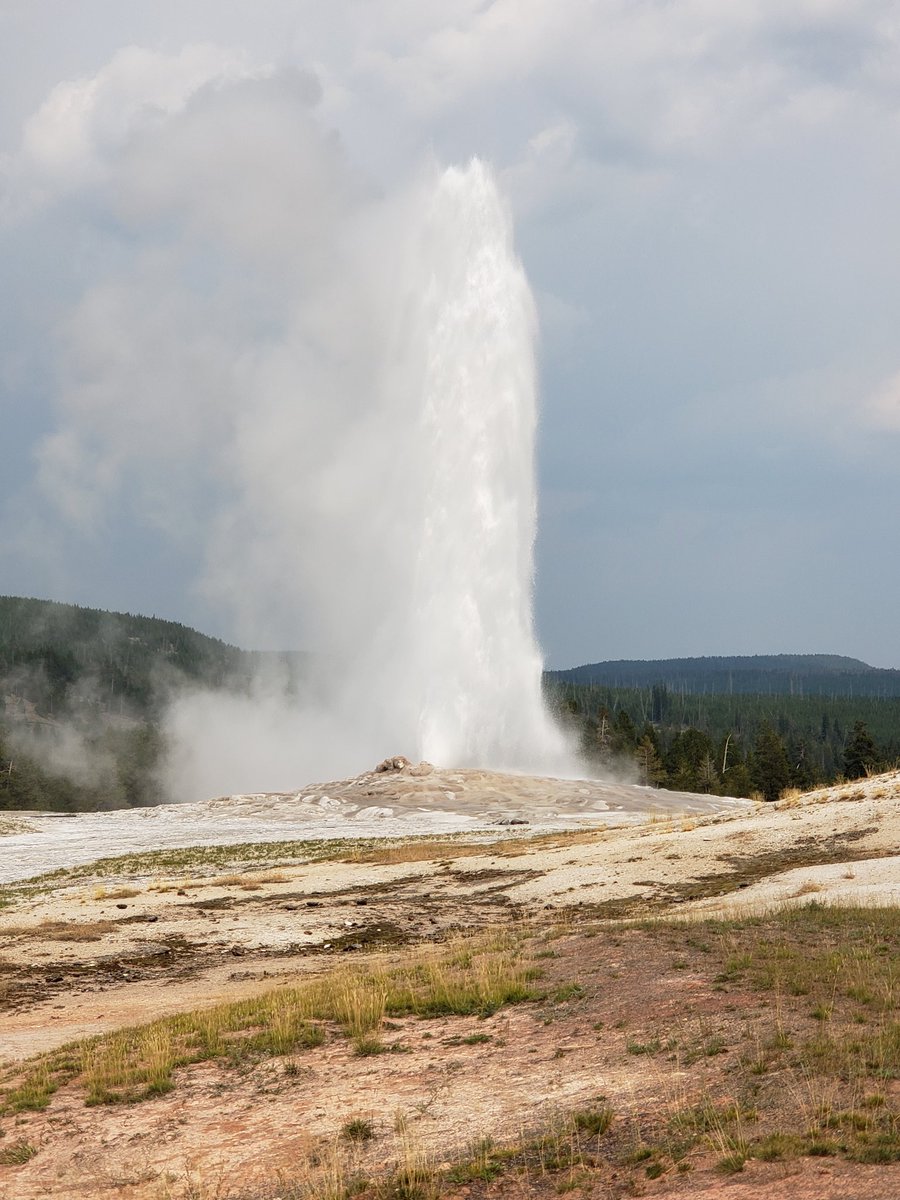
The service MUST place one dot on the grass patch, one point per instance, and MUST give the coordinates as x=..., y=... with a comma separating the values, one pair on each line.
x=475, y=977
x=16, y=1154
x=567, y=991
x=653, y=1046
x=358, y=1129
x=484, y=1162
x=593, y=1121
x=565, y=1148
x=732, y=1162
x=59, y=931
x=369, y=1045
x=428, y=850
x=472, y=1039
x=845, y=963
x=821, y=1043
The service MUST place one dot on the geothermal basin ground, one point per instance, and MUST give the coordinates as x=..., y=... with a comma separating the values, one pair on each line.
x=413, y=801
x=691, y=995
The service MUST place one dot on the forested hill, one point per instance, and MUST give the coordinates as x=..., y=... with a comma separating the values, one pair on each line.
x=760, y=674
x=82, y=693
x=57, y=656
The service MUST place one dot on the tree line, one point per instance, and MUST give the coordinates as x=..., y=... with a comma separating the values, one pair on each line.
x=736, y=746
x=115, y=768
x=758, y=674
x=82, y=693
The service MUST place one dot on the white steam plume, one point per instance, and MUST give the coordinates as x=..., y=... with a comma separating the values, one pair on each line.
x=334, y=395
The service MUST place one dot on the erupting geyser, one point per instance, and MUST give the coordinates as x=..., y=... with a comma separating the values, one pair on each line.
x=326, y=399
x=472, y=667
x=384, y=500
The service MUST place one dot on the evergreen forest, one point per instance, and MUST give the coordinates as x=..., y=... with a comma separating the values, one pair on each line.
x=729, y=744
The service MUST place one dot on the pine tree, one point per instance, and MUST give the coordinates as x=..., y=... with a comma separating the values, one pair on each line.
x=771, y=770
x=803, y=773
x=687, y=761
x=649, y=764
x=860, y=752
x=624, y=734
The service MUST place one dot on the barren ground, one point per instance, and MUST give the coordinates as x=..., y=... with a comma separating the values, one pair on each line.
x=631, y=1010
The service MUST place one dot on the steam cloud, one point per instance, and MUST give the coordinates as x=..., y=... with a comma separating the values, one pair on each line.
x=331, y=394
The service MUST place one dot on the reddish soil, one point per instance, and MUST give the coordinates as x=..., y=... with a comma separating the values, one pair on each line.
x=646, y=1027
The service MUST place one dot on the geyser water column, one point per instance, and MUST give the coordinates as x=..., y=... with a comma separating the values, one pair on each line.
x=382, y=508
x=466, y=352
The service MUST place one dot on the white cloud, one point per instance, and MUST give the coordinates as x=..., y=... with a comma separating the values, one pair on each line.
x=637, y=78
x=881, y=411
x=216, y=200
x=244, y=164
x=71, y=142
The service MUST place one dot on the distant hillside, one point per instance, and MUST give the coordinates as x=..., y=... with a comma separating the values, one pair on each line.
x=61, y=656
x=81, y=694
x=65, y=660
x=830, y=675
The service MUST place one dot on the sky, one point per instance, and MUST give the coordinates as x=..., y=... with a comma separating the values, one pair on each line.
x=705, y=201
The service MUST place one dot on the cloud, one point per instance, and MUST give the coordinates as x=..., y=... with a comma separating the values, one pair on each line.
x=644, y=81
x=76, y=134
x=243, y=165
x=216, y=199
x=881, y=411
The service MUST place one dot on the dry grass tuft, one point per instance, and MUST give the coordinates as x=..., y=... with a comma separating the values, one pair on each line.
x=419, y=851
x=59, y=931
x=249, y=881
x=790, y=798
x=807, y=888
x=120, y=893
x=12, y=825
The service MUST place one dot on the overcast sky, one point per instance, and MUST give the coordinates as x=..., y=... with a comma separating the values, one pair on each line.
x=706, y=201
